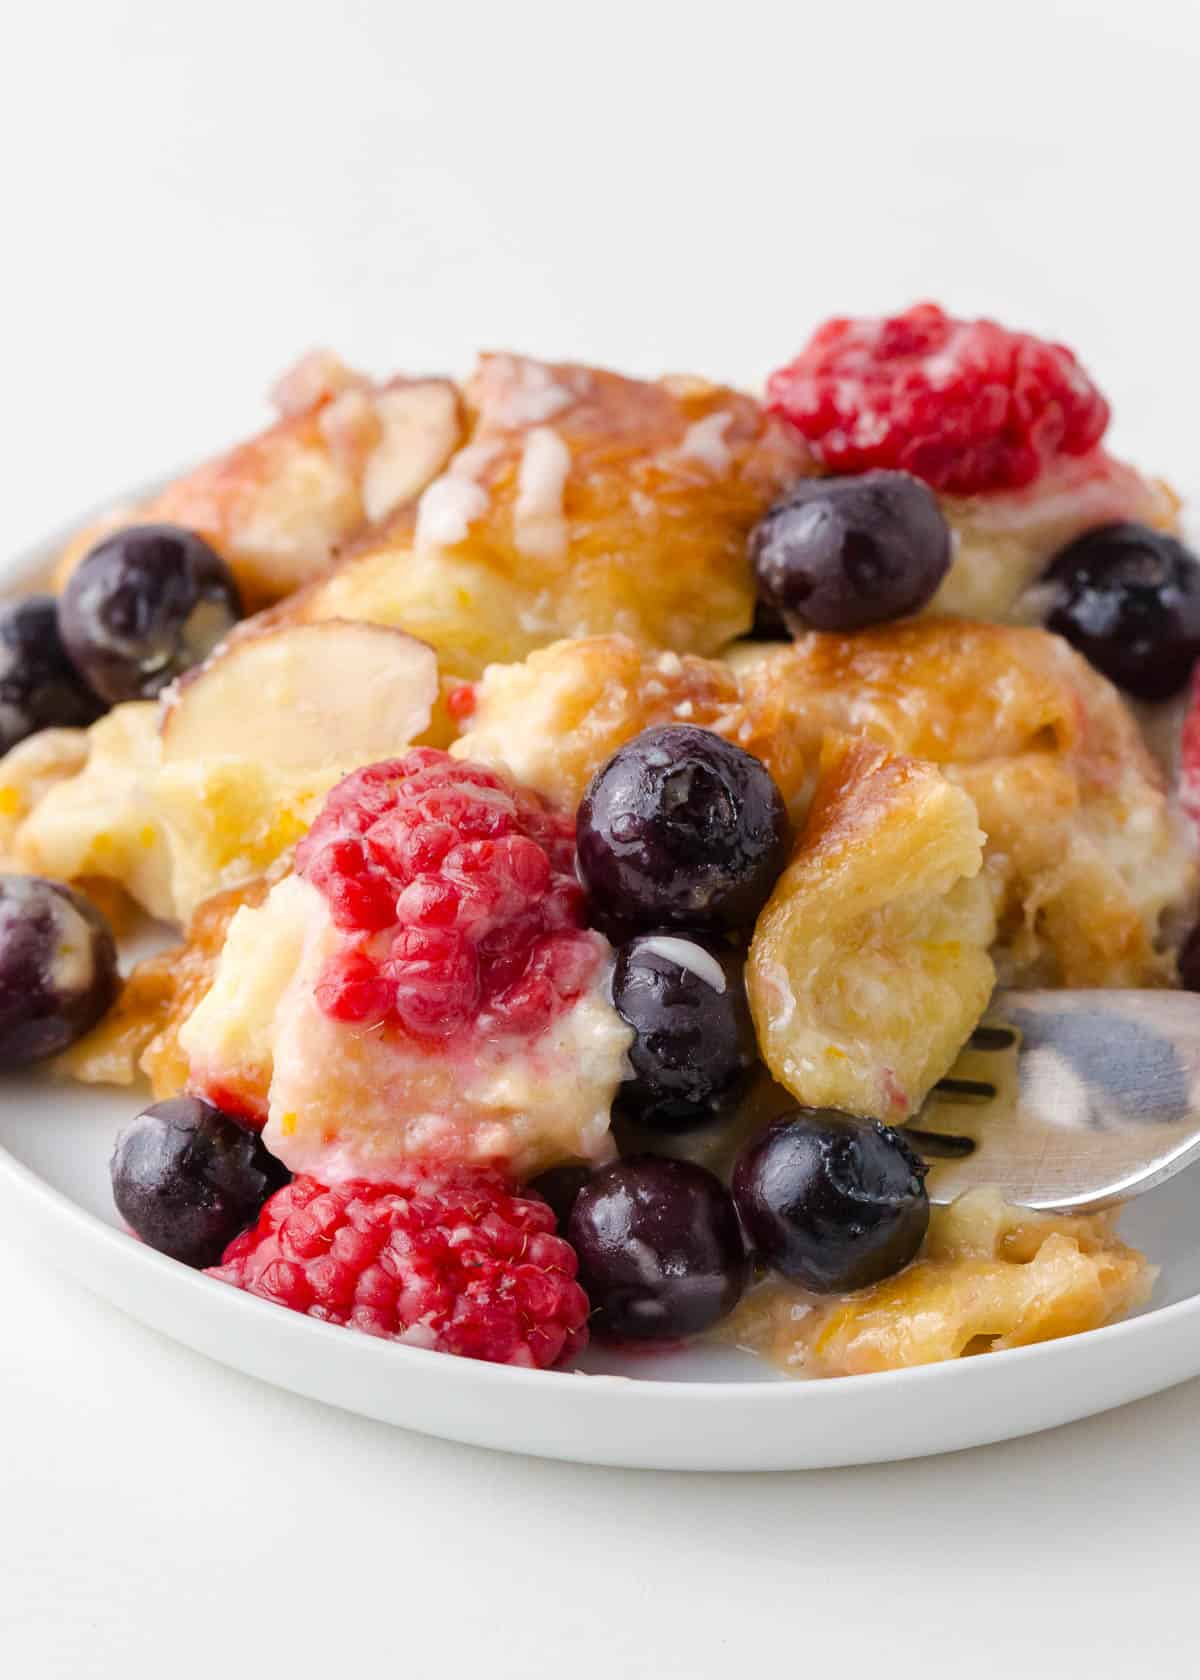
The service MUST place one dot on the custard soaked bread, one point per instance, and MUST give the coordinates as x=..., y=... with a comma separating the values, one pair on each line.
x=869, y=966
x=988, y=1277
x=1083, y=855
x=583, y=502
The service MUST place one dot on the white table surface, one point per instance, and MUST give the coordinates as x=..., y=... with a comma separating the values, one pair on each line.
x=193, y=194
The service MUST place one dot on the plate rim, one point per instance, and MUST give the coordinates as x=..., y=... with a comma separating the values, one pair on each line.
x=29, y=1183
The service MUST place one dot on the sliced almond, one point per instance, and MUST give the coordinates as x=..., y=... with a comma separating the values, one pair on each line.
x=305, y=696
x=420, y=427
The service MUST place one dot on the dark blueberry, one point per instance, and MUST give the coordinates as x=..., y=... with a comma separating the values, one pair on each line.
x=187, y=1179
x=1129, y=599
x=144, y=606
x=559, y=1186
x=842, y=553
x=39, y=686
x=717, y=1145
x=58, y=968
x=681, y=829
x=660, y=1251
x=693, y=1038
x=832, y=1202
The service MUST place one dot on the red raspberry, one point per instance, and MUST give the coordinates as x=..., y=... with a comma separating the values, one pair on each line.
x=965, y=405
x=444, y=1259
x=435, y=981
x=461, y=701
x=354, y=989
x=458, y=895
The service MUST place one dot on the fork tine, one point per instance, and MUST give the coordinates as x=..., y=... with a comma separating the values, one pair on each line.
x=939, y=1146
x=965, y=1090
x=989, y=1037
x=1097, y=1099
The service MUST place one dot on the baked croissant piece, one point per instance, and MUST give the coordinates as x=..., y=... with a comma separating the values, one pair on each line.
x=869, y=966
x=583, y=502
x=345, y=452
x=1084, y=857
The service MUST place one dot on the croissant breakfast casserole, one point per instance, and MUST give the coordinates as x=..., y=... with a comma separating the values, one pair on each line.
x=593, y=815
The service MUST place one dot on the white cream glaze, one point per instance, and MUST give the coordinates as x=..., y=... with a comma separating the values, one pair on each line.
x=447, y=510
x=539, y=523
x=452, y=503
x=685, y=953
x=704, y=441
x=531, y=392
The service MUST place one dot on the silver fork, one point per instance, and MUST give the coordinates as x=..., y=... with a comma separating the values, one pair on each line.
x=1068, y=1100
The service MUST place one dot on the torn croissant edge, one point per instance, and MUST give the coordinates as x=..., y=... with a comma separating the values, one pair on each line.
x=140, y=1034
x=345, y=453
x=989, y=1276
x=869, y=966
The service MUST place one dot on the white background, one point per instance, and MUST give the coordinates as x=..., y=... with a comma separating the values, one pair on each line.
x=192, y=194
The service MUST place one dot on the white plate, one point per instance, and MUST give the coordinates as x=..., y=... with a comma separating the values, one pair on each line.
x=703, y=1409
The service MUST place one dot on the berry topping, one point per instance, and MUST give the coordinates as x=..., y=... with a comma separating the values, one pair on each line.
x=660, y=1251
x=681, y=829
x=966, y=405
x=461, y=702
x=144, y=606
x=1128, y=598
x=842, y=553
x=448, y=1260
x=39, y=686
x=187, y=1179
x=58, y=968
x=693, y=1038
x=458, y=894
x=832, y=1202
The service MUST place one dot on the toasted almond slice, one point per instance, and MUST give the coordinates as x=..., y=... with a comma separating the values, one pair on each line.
x=305, y=696
x=419, y=428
